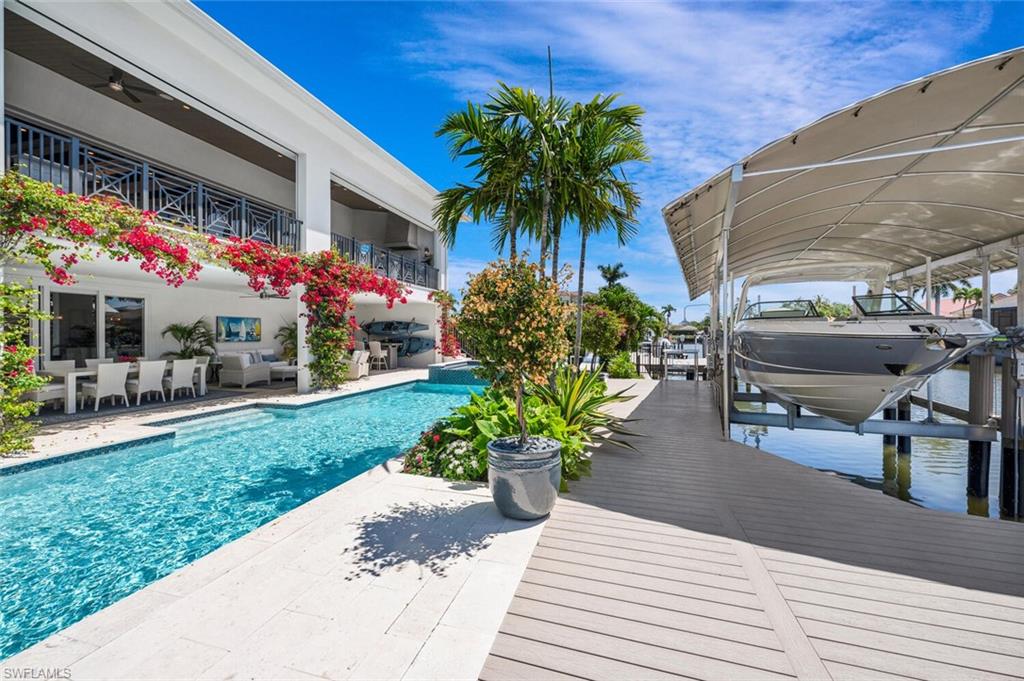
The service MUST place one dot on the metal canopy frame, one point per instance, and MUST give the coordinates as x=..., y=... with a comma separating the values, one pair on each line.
x=923, y=172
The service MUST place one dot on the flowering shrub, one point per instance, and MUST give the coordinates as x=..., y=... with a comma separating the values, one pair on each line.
x=512, y=316
x=44, y=226
x=449, y=343
x=17, y=375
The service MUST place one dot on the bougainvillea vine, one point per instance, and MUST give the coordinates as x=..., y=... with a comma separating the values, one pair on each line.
x=446, y=323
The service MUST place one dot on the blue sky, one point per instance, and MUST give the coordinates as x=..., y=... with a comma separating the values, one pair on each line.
x=717, y=80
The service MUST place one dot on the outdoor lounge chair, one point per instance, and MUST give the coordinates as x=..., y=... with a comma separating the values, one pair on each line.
x=110, y=382
x=51, y=392
x=182, y=372
x=150, y=379
x=238, y=370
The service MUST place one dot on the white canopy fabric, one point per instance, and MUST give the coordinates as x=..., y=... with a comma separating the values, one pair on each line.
x=933, y=168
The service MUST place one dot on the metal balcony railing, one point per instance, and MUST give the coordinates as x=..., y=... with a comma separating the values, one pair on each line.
x=84, y=168
x=387, y=262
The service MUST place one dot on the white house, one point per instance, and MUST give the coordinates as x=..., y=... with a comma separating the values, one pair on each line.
x=161, y=106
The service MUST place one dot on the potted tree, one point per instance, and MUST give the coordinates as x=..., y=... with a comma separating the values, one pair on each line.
x=512, y=315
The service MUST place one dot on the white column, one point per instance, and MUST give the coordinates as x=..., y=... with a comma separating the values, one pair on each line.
x=313, y=207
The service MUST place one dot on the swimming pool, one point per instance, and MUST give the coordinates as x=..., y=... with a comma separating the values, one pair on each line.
x=80, y=535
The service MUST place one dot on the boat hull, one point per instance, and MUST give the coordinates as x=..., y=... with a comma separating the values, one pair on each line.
x=848, y=372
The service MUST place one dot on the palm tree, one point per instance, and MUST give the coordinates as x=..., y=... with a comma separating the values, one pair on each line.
x=667, y=310
x=603, y=139
x=500, y=153
x=288, y=335
x=612, y=274
x=967, y=294
x=940, y=291
x=541, y=121
x=195, y=339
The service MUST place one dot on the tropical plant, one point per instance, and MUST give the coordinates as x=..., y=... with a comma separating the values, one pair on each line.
x=194, y=340
x=288, y=336
x=513, y=318
x=831, y=309
x=621, y=366
x=605, y=139
x=667, y=311
x=18, y=310
x=969, y=295
x=602, y=331
x=456, y=447
x=500, y=153
x=542, y=122
x=582, y=398
x=641, y=319
x=612, y=274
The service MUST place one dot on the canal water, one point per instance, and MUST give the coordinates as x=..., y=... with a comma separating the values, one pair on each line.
x=934, y=475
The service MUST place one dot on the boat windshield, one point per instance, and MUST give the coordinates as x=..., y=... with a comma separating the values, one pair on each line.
x=782, y=309
x=886, y=304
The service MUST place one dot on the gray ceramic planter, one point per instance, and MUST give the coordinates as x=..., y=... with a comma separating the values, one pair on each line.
x=524, y=481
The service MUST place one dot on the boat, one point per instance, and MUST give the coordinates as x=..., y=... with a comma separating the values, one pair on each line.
x=848, y=369
x=393, y=329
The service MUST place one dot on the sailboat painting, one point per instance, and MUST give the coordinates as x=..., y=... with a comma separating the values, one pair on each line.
x=239, y=329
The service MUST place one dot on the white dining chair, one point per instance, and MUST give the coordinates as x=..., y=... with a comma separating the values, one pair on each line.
x=110, y=382
x=58, y=368
x=150, y=380
x=182, y=374
x=378, y=357
x=93, y=363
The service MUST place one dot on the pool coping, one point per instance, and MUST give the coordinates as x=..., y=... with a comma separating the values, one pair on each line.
x=15, y=465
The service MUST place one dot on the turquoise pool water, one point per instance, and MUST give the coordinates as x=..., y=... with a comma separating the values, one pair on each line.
x=80, y=535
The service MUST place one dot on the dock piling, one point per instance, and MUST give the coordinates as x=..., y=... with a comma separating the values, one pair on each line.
x=982, y=368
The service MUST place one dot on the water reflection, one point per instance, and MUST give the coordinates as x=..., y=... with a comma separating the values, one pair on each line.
x=933, y=475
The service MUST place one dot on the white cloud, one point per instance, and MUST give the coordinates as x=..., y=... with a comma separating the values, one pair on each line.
x=717, y=80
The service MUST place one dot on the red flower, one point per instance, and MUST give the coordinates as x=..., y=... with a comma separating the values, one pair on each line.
x=436, y=438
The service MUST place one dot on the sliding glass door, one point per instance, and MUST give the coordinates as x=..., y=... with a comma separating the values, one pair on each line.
x=124, y=327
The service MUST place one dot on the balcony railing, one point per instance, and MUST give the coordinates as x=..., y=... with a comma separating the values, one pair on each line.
x=387, y=262
x=83, y=168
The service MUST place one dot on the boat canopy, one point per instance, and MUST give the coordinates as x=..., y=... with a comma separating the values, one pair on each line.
x=933, y=169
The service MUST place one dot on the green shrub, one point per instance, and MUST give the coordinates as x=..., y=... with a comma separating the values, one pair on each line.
x=621, y=366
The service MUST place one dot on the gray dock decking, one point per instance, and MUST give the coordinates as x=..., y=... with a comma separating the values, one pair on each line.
x=704, y=559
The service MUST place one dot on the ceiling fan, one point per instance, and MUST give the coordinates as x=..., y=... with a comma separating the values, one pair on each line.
x=116, y=82
x=266, y=295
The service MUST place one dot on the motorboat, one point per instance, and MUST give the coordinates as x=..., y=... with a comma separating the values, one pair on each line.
x=848, y=369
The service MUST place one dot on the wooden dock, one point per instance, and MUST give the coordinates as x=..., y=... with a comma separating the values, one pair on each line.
x=705, y=559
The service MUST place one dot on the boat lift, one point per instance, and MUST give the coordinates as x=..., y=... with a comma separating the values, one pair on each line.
x=924, y=179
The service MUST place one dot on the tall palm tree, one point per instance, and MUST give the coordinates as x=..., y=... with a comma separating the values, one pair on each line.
x=940, y=291
x=667, y=310
x=500, y=153
x=542, y=122
x=604, y=138
x=969, y=295
x=612, y=274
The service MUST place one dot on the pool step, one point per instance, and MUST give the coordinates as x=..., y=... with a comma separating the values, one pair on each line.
x=221, y=426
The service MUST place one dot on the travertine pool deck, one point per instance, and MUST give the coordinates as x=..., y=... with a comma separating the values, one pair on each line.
x=700, y=558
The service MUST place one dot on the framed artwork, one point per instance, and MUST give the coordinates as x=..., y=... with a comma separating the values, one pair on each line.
x=239, y=329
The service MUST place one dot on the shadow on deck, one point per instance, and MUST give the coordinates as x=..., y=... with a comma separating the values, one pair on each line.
x=707, y=559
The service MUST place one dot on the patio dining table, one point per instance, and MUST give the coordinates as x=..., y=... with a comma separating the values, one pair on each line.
x=71, y=382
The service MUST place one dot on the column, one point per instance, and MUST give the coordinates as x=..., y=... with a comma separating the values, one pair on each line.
x=313, y=207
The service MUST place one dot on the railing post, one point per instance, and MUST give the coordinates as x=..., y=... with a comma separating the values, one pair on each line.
x=76, y=166
x=243, y=219
x=145, y=186
x=200, y=207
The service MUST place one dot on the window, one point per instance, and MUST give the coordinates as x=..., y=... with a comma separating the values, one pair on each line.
x=124, y=326
x=785, y=309
x=887, y=304
x=72, y=326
